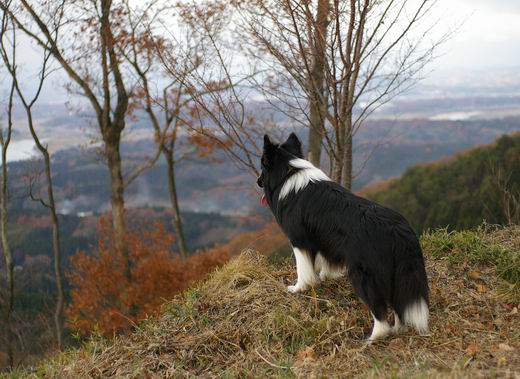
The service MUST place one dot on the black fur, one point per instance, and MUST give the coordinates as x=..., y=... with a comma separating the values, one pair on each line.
x=377, y=245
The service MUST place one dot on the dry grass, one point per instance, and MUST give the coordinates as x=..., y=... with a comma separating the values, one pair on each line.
x=241, y=322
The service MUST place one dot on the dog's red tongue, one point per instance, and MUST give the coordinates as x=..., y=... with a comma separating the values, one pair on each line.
x=263, y=201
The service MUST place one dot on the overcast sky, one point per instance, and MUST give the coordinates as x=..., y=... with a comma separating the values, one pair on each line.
x=488, y=37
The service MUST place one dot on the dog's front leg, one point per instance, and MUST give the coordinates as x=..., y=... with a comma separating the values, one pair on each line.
x=305, y=271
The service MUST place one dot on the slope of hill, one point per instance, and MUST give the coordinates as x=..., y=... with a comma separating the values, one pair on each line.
x=241, y=322
x=479, y=184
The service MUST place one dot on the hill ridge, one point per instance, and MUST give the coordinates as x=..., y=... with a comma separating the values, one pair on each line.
x=241, y=322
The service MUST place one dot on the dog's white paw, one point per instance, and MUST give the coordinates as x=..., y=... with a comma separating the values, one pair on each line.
x=295, y=289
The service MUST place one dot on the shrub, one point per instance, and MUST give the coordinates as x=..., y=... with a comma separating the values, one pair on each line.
x=107, y=297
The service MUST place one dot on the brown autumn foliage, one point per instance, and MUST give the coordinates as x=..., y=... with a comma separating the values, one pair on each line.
x=105, y=299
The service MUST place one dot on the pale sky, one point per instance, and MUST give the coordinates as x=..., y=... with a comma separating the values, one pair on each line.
x=489, y=36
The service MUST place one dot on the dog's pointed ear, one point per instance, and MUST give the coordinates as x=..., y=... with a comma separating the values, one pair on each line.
x=267, y=141
x=293, y=145
x=269, y=147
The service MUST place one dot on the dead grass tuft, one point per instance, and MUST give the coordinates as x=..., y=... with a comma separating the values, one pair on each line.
x=241, y=322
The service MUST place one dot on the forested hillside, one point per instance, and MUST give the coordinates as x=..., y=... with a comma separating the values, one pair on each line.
x=459, y=193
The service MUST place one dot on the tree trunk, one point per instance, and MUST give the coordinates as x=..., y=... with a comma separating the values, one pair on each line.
x=338, y=169
x=315, y=136
x=56, y=245
x=317, y=106
x=346, y=174
x=117, y=201
x=4, y=222
x=9, y=263
x=177, y=220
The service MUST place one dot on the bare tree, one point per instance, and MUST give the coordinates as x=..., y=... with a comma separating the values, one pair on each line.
x=219, y=92
x=335, y=62
x=164, y=60
x=82, y=36
x=5, y=140
x=8, y=53
x=161, y=97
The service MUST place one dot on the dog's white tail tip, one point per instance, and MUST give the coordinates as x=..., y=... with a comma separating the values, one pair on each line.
x=416, y=315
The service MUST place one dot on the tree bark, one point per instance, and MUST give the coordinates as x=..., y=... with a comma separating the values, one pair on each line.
x=316, y=84
x=9, y=263
x=56, y=245
x=346, y=172
x=4, y=222
x=56, y=242
x=117, y=201
x=177, y=220
x=338, y=168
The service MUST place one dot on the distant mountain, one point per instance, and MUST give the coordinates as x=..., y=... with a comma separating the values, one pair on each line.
x=479, y=184
x=383, y=149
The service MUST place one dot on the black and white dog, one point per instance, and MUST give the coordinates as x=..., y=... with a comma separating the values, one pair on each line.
x=334, y=232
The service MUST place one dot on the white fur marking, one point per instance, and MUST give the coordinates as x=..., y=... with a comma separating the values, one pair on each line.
x=381, y=330
x=307, y=173
x=397, y=325
x=305, y=271
x=325, y=270
x=416, y=315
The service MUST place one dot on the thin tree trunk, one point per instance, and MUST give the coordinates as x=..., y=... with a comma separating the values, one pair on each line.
x=316, y=85
x=346, y=174
x=315, y=134
x=177, y=220
x=4, y=216
x=9, y=263
x=56, y=245
x=117, y=201
x=338, y=169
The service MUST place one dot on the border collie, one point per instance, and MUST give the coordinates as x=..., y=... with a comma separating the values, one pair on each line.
x=334, y=232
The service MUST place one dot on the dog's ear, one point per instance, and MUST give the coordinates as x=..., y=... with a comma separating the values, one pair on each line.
x=267, y=141
x=293, y=145
x=269, y=150
x=268, y=145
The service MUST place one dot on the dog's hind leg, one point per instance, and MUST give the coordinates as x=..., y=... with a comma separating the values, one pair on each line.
x=326, y=270
x=305, y=271
x=381, y=329
x=367, y=289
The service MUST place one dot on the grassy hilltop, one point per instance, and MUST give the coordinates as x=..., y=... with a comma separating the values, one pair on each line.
x=241, y=322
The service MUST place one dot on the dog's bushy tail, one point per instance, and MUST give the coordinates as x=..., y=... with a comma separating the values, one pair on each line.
x=411, y=291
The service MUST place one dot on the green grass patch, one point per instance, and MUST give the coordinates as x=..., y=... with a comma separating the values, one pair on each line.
x=476, y=247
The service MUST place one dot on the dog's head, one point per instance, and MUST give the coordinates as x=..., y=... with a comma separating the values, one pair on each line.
x=275, y=164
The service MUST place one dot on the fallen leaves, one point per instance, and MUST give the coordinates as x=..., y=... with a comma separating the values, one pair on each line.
x=505, y=347
x=472, y=349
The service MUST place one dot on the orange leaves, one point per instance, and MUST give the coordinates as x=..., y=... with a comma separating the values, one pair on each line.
x=472, y=349
x=206, y=145
x=105, y=298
